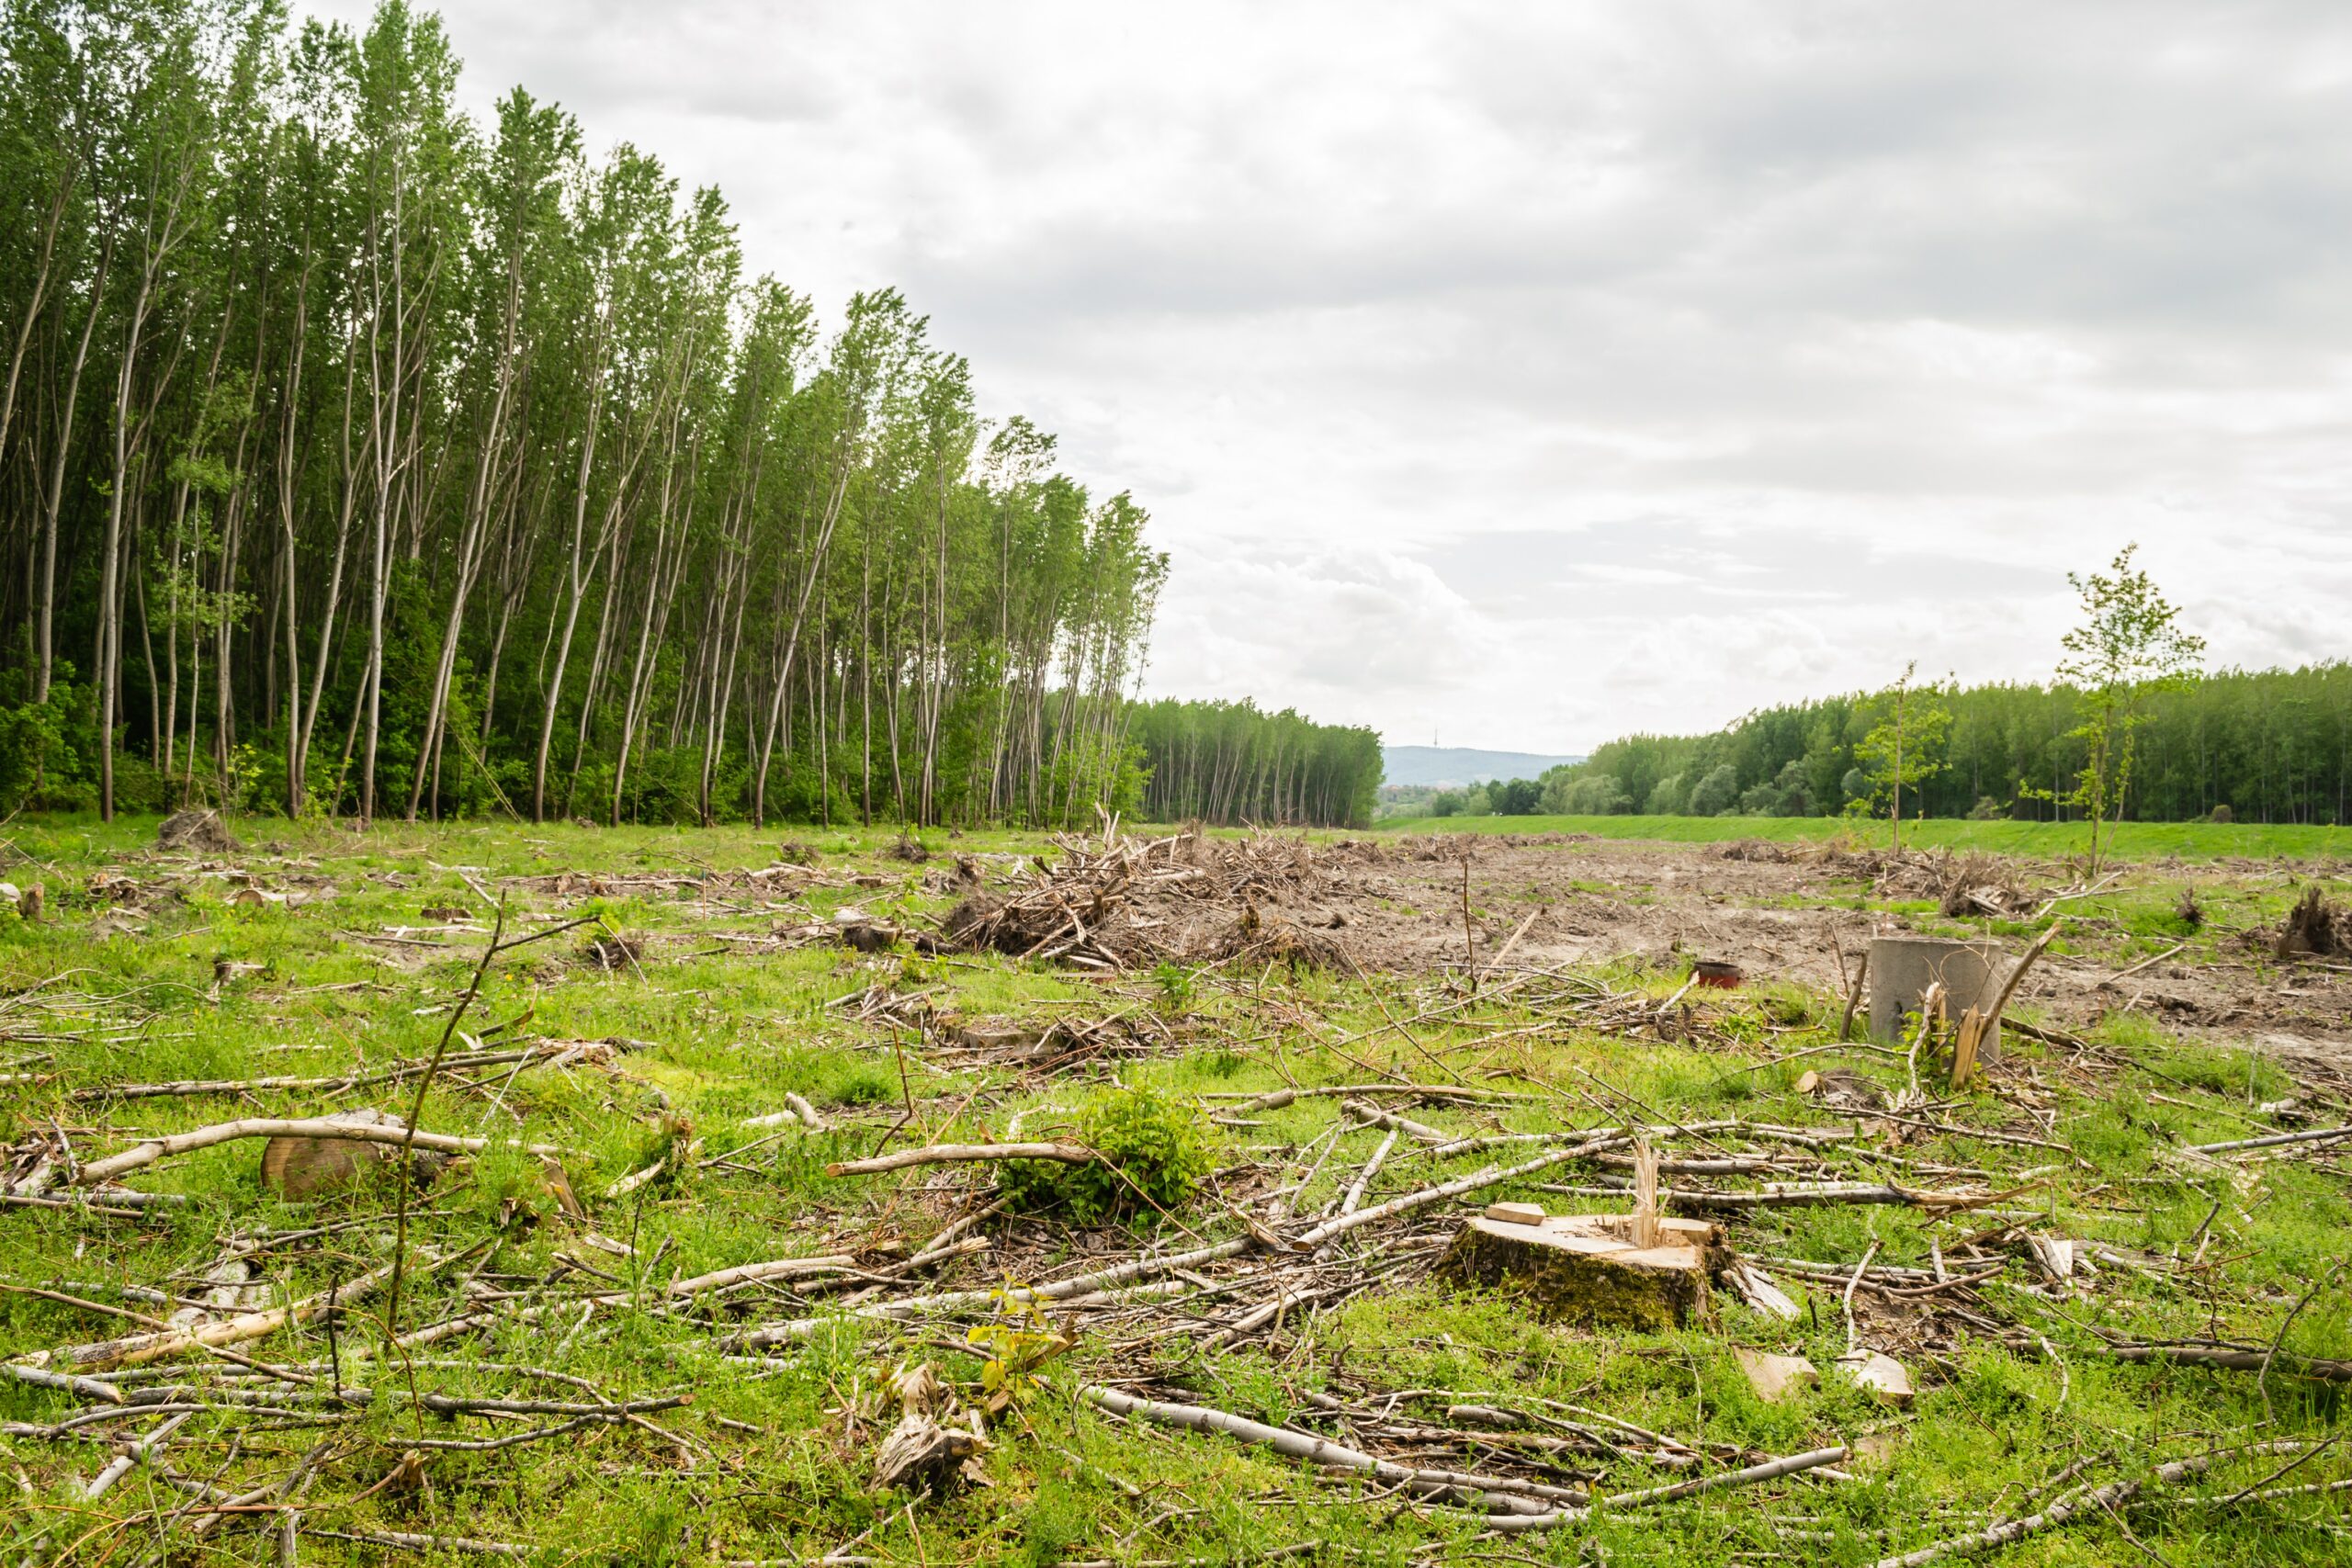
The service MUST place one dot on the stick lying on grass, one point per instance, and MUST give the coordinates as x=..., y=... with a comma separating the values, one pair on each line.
x=138, y=1350
x=949, y=1153
x=1512, y=1501
x=140, y=1156
x=2105, y=1498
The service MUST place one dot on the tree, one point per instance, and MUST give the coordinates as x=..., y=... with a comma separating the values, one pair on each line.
x=2129, y=646
x=1715, y=793
x=1905, y=747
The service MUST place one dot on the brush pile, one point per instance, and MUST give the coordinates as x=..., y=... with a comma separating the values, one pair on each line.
x=1115, y=903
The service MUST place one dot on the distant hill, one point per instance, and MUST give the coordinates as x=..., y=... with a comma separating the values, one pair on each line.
x=1451, y=767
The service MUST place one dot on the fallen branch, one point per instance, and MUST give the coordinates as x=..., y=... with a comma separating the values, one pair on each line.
x=1492, y=1493
x=951, y=1154
x=141, y=1156
x=780, y=1269
x=138, y=1350
x=2057, y=1513
x=2237, y=1360
x=2275, y=1140
x=1755, y=1474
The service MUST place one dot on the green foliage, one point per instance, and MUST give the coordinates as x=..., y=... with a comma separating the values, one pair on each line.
x=1176, y=985
x=1904, y=749
x=1594, y=794
x=1017, y=1341
x=598, y=525
x=1716, y=792
x=1154, y=1153
x=2129, y=645
x=1228, y=763
x=1515, y=797
x=2273, y=745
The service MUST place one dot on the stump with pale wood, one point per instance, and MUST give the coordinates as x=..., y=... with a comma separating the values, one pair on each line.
x=1590, y=1269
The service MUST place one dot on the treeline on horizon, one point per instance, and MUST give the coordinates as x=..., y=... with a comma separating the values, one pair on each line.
x=358, y=457
x=2256, y=746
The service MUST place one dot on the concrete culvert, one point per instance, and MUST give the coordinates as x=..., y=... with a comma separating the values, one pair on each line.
x=1902, y=967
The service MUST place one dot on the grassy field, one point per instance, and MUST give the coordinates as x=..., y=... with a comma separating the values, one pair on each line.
x=698, y=997
x=2190, y=841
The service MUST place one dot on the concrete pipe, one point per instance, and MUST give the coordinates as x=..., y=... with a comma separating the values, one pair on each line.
x=1902, y=967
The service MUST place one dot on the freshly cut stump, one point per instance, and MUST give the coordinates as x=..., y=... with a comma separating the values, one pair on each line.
x=1585, y=1267
x=300, y=1170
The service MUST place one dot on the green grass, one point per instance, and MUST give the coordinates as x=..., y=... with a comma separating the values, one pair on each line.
x=2138, y=840
x=778, y=1463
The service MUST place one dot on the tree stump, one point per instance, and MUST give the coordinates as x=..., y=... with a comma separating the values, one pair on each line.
x=300, y=1169
x=1902, y=967
x=1585, y=1268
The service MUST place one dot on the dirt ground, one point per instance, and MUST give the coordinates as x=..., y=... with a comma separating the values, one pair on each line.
x=1784, y=913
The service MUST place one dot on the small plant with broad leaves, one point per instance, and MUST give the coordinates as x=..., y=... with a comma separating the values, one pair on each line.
x=1017, y=1341
x=1152, y=1153
x=1175, y=983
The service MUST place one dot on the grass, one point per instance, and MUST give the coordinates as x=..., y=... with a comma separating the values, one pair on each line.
x=771, y=1461
x=2135, y=840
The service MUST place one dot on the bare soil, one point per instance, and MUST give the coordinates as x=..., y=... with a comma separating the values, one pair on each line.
x=1779, y=912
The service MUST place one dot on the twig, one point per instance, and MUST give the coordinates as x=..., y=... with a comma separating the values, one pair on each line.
x=416, y=1113
x=1854, y=996
x=2262, y=1380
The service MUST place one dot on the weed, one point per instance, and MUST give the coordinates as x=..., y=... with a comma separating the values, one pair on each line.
x=1154, y=1153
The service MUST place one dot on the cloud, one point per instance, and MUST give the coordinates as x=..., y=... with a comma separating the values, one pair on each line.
x=1540, y=372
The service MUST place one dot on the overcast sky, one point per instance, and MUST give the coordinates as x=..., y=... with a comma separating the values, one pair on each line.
x=1521, y=375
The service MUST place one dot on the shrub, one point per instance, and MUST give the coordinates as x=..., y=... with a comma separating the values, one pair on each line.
x=1153, y=1151
x=2223, y=815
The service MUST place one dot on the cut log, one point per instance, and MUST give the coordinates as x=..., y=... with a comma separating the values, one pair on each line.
x=1516, y=1214
x=1776, y=1378
x=301, y=1168
x=1585, y=1267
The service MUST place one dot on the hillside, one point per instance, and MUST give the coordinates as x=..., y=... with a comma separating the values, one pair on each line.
x=1447, y=767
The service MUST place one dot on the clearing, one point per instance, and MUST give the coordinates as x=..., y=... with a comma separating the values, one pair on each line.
x=718, y=1258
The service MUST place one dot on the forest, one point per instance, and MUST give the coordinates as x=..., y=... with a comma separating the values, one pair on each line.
x=2258, y=746
x=357, y=457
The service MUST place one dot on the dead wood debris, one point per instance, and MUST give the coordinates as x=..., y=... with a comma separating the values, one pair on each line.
x=2314, y=929
x=1121, y=903
x=196, y=830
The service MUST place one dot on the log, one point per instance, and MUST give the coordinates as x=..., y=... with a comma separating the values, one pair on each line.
x=298, y=1168
x=1585, y=1267
x=143, y=1154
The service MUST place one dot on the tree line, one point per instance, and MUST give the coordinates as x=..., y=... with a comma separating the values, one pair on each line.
x=357, y=457
x=1226, y=761
x=2261, y=746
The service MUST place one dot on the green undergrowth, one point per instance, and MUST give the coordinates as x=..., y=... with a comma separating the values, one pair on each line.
x=774, y=1461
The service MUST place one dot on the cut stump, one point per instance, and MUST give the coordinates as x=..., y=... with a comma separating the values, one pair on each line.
x=1585, y=1267
x=300, y=1169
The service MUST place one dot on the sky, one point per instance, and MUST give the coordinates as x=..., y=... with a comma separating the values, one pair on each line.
x=1519, y=375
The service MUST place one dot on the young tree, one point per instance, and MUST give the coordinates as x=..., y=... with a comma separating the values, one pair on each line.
x=2129, y=646
x=1905, y=747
